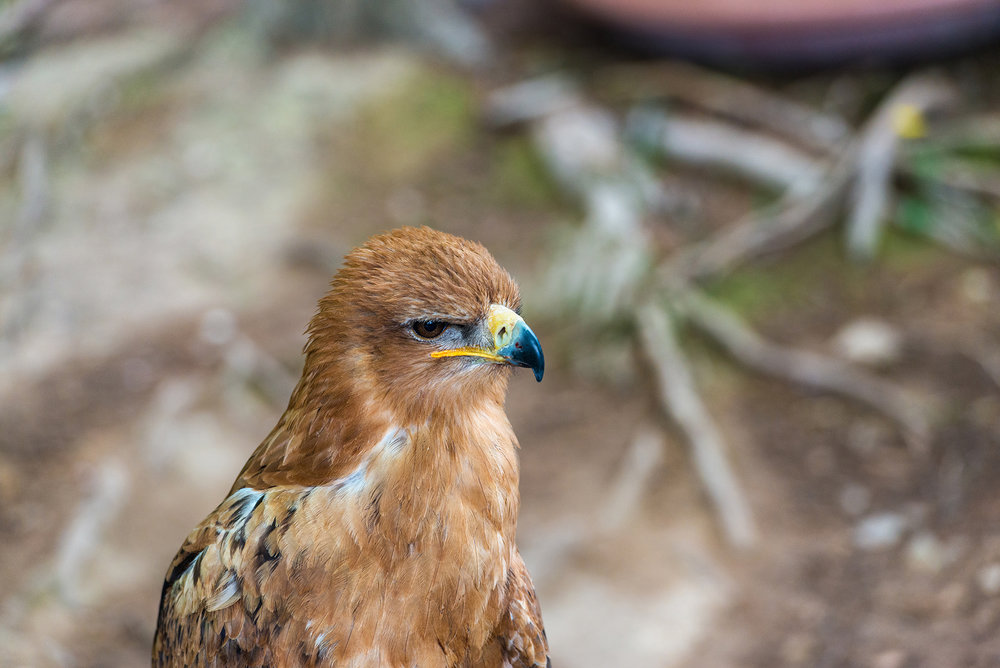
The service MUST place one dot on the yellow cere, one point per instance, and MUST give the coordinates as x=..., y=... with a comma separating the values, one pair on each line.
x=501, y=321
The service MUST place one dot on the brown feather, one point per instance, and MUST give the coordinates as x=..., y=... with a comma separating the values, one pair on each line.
x=375, y=525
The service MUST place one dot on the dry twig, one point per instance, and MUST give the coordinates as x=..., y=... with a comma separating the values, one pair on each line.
x=644, y=454
x=531, y=100
x=83, y=534
x=793, y=219
x=681, y=400
x=725, y=96
x=974, y=131
x=806, y=368
x=584, y=151
x=876, y=159
x=799, y=215
x=713, y=143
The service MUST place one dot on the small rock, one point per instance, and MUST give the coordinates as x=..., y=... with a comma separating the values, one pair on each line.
x=869, y=341
x=855, y=499
x=879, y=532
x=925, y=552
x=988, y=578
x=892, y=658
x=977, y=287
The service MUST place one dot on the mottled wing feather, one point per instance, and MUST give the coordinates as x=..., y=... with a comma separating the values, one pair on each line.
x=521, y=634
x=213, y=612
x=210, y=607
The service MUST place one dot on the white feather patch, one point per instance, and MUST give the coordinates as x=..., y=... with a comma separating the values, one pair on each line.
x=227, y=594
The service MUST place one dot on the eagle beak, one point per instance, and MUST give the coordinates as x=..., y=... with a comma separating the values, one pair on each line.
x=514, y=341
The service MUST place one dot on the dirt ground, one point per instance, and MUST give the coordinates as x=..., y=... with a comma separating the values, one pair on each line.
x=169, y=214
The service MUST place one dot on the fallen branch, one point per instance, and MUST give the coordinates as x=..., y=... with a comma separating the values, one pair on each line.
x=680, y=399
x=531, y=100
x=644, y=455
x=806, y=368
x=970, y=132
x=707, y=142
x=876, y=159
x=724, y=96
x=84, y=533
x=799, y=215
x=794, y=218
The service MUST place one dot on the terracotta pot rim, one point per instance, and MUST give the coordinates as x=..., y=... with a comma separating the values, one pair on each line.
x=712, y=15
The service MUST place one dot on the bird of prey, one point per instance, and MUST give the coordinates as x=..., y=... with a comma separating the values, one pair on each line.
x=375, y=525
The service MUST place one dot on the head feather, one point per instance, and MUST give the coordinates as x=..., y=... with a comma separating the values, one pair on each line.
x=364, y=371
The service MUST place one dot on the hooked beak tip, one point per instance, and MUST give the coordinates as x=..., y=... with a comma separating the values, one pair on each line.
x=525, y=350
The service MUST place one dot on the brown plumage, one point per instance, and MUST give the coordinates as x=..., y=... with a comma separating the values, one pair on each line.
x=375, y=525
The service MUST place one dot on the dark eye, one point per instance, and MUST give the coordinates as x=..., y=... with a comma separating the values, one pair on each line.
x=429, y=329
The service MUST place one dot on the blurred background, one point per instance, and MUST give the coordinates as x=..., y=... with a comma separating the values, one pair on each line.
x=758, y=241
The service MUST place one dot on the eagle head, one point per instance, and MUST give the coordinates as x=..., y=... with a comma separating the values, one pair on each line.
x=422, y=318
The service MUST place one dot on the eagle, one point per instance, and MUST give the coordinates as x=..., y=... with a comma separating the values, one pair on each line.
x=375, y=525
